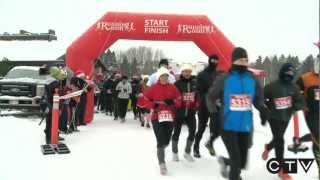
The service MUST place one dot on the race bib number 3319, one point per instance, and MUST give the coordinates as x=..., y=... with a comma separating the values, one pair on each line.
x=240, y=102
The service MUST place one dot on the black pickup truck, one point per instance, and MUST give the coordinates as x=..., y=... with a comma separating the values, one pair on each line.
x=22, y=88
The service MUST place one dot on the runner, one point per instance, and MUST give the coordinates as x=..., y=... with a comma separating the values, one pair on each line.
x=236, y=91
x=165, y=98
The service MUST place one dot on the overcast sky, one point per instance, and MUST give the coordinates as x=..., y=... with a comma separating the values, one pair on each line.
x=263, y=27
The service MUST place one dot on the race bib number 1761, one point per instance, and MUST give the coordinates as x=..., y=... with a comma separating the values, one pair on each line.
x=283, y=102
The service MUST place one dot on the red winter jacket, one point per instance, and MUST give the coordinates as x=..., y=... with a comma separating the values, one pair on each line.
x=142, y=102
x=159, y=92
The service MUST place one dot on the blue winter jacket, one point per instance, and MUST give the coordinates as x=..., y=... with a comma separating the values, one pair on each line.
x=236, y=93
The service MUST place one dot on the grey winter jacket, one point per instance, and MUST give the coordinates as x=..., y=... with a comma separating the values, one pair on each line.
x=124, y=90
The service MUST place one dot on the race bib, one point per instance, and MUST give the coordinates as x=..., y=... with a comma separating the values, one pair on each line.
x=283, y=102
x=317, y=94
x=165, y=116
x=240, y=102
x=189, y=97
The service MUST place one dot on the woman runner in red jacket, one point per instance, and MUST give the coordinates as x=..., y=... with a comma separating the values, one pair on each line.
x=164, y=98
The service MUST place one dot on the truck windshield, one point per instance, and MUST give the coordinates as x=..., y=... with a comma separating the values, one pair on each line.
x=24, y=73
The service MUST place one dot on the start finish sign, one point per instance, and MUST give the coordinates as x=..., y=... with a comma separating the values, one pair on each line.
x=240, y=102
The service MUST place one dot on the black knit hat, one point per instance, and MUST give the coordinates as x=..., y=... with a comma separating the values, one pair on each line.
x=238, y=53
x=164, y=62
x=285, y=68
x=212, y=59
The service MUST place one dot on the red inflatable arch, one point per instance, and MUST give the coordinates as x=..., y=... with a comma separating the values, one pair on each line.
x=82, y=53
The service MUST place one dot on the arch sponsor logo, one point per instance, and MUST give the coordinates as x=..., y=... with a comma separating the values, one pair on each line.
x=116, y=26
x=195, y=29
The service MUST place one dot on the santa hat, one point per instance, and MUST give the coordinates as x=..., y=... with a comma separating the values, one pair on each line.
x=80, y=74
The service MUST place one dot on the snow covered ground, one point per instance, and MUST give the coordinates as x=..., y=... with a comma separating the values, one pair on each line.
x=106, y=149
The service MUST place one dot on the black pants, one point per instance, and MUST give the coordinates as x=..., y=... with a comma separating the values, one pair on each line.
x=163, y=132
x=134, y=106
x=47, y=129
x=237, y=144
x=278, y=128
x=203, y=117
x=190, y=121
x=122, y=107
x=115, y=107
x=312, y=120
x=64, y=117
x=81, y=108
x=108, y=103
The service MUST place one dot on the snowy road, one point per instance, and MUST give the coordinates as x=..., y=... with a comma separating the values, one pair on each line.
x=107, y=149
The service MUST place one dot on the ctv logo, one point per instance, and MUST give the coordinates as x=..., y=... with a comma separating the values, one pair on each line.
x=289, y=165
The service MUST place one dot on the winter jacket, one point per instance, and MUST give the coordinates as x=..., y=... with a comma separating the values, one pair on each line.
x=114, y=86
x=283, y=99
x=190, y=97
x=142, y=102
x=309, y=83
x=124, y=90
x=204, y=80
x=157, y=93
x=107, y=87
x=236, y=92
x=135, y=84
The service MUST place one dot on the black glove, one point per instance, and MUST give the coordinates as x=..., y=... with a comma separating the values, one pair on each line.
x=168, y=102
x=263, y=120
x=156, y=105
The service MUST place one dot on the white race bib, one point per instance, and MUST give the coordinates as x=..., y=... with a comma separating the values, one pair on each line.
x=240, y=102
x=317, y=94
x=165, y=116
x=188, y=97
x=283, y=102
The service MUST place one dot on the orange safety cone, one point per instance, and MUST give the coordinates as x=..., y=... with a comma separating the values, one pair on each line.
x=55, y=118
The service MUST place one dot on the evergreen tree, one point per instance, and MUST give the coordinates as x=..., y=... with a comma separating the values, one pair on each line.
x=125, y=67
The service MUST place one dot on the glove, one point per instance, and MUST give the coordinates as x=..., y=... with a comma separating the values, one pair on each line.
x=156, y=105
x=265, y=114
x=168, y=102
x=264, y=120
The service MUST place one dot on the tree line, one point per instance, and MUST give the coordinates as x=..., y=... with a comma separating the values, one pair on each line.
x=134, y=61
x=272, y=65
